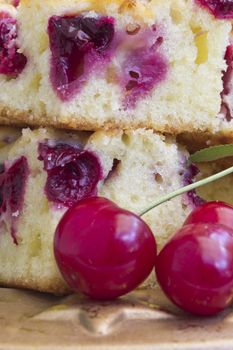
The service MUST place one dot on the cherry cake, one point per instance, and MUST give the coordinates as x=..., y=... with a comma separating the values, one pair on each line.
x=88, y=65
x=45, y=172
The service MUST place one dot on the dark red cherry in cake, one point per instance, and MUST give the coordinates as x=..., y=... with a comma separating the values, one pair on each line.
x=212, y=213
x=12, y=188
x=227, y=76
x=14, y=184
x=12, y=62
x=102, y=250
x=221, y=9
x=79, y=45
x=195, y=268
x=227, y=84
x=72, y=173
x=229, y=54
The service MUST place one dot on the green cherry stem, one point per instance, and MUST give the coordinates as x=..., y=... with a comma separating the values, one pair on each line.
x=187, y=188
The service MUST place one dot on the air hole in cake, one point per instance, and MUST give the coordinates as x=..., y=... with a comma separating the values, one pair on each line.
x=221, y=9
x=158, y=178
x=12, y=188
x=72, y=173
x=79, y=45
x=125, y=139
x=115, y=165
x=133, y=28
x=226, y=95
x=12, y=62
x=158, y=42
x=134, y=75
x=189, y=175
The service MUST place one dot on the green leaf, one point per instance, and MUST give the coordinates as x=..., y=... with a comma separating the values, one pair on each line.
x=212, y=153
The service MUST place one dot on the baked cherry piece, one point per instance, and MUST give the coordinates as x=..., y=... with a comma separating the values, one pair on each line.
x=221, y=9
x=79, y=45
x=195, y=268
x=189, y=175
x=229, y=54
x=213, y=213
x=102, y=250
x=227, y=84
x=143, y=70
x=12, y=62
x=144, y=65
x=73, y=173
x=12, y=189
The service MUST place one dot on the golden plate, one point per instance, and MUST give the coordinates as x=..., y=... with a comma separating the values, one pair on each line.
x=144, y=319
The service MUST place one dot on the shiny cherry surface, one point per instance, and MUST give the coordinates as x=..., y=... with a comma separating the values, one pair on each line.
x=213, y=213
x=102, y=250
x=195, y=268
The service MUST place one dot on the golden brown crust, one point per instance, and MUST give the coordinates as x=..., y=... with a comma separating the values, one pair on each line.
x=20, y=118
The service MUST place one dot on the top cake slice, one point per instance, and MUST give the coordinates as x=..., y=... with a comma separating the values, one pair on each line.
x=117, y=64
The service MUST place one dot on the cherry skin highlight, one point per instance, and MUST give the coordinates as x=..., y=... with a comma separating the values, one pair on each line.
x=102, y=250
x=213, y=213
x=195, y=268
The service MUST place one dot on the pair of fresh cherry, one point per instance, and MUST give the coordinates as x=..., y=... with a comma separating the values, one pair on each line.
x=105, y=251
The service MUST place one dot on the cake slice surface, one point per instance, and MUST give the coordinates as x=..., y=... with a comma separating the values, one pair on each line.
x=116, y=64
x=45, y=172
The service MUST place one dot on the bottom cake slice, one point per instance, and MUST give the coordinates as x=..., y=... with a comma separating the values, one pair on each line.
x=44, y=172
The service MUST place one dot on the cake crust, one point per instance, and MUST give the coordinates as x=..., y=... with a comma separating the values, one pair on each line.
x=19, y=118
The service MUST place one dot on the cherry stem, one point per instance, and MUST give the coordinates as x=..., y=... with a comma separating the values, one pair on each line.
x=187, y=188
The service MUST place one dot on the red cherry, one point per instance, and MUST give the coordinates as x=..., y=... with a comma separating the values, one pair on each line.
x=195, y=268
x=102, y=250
x=213, y=213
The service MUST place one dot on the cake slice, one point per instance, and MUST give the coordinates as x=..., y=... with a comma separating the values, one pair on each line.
x=45, y=172
x=117, y=64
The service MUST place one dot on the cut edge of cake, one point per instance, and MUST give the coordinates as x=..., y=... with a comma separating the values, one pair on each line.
x=137, y=167
x=192, y=41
